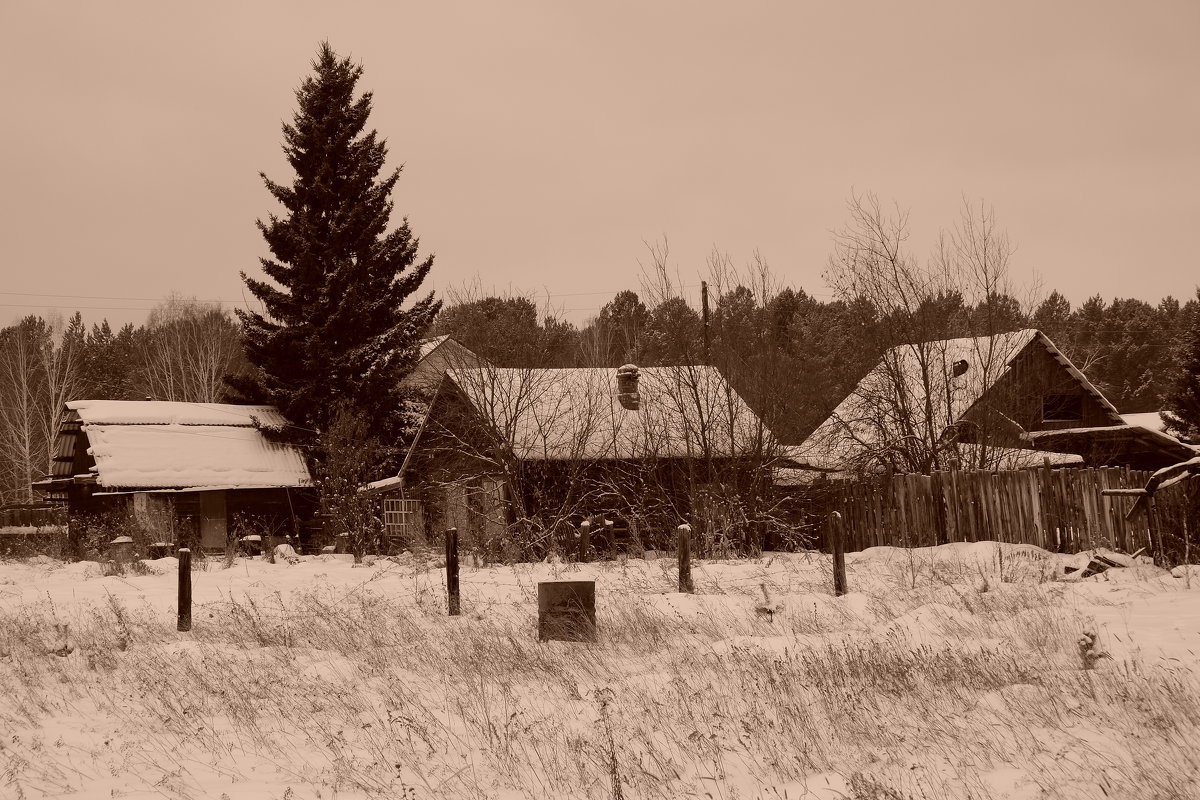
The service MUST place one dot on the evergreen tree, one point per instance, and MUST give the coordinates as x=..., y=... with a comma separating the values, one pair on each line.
x=503, y=330
x=674, y=334
x=622, y=322
x=1053, y=317
x=1181, y=405
x=336, y=335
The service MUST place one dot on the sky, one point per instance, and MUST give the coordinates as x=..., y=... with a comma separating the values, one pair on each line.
x=545, y=145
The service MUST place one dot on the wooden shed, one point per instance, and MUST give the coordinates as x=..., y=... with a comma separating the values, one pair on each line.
x=193, y=473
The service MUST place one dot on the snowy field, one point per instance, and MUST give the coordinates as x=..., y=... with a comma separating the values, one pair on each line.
x=964, y=671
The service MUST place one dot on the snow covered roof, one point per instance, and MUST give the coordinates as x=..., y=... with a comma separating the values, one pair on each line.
x=382, y=485
x=1135, y=439
x=429, y=345
x=890, y=402
x=1003, y=457
x=168, y=445
x=557, y=414
x=164, y=412
x=1150, y=420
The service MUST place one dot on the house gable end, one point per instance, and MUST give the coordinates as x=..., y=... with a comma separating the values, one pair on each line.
x=1038, y=392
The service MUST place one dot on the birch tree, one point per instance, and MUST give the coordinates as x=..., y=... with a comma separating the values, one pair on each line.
x=185, y=351
x=22, y=443
x=39, y=373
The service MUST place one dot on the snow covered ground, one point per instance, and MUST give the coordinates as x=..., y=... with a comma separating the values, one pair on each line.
x=950, y=672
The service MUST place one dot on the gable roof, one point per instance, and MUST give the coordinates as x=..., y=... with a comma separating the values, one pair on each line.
x=562, y=414
x=427, y=346
x=437, y=355
x=874, y=412
x=169, y=445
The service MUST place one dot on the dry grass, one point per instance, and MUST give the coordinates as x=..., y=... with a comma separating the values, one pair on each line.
x=925, y=692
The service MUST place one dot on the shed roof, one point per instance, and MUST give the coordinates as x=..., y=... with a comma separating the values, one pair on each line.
x=1150, y=420
x=564, y=414
x=165, y=412
x=161, y=445
x=1139, y=446
x=1008, y=457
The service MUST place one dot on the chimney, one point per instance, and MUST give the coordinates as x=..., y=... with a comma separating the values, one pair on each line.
x=627, y=387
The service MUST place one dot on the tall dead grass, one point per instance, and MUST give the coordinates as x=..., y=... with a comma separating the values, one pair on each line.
x=383, y=696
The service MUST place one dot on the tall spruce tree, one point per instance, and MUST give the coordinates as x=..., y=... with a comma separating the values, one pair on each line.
x=337, y=335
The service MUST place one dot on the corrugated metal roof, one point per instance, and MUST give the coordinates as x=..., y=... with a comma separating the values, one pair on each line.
x=873, y=413
x=162, y=445
x=558, y=414
x=164, y=412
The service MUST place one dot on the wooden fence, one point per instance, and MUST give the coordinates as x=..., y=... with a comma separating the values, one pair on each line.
x=32, y=516
x=1061, y=510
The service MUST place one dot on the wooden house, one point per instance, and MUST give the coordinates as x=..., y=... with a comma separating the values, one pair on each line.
x=539, y=450
x=995, y=402
x=192, y=472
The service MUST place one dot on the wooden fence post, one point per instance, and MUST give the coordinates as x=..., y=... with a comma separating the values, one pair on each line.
x=837, y=545
x=684, y=551
x=937, y=499
x=185, y=590
x=1050, y=516
x=585, y=538
x=452, y=570
x=1160, y=557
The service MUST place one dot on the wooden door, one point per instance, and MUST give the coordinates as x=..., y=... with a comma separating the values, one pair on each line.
x=212, y=521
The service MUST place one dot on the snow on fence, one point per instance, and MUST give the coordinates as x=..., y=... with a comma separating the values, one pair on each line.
x=1061, y=510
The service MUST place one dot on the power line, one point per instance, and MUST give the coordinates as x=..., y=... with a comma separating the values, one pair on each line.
x=101, y=297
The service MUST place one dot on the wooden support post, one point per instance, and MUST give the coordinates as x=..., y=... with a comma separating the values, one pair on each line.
x=1160, y=557
x=185, y=590
x=684, y=551
x=837, y=546
x=585, y=540
x=452, y=571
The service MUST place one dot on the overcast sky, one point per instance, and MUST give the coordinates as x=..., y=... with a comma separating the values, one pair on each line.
x=544, y=143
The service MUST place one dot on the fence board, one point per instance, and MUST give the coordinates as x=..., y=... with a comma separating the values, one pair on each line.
x=1056, y=509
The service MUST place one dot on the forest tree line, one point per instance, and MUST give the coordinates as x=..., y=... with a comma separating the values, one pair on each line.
x=793, y=356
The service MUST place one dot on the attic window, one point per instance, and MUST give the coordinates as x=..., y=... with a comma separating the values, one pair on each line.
x=960, y=367
x=1062, y=408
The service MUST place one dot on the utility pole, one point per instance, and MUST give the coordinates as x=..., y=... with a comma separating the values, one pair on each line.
x=704, y=316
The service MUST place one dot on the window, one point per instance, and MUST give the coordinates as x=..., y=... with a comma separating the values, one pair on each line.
x=1062, y=408
x=402, y=518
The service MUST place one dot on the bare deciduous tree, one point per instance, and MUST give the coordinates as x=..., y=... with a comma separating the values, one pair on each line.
x=934, y=320
x=515, y=457
x=40, y=366
x=186, y=350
